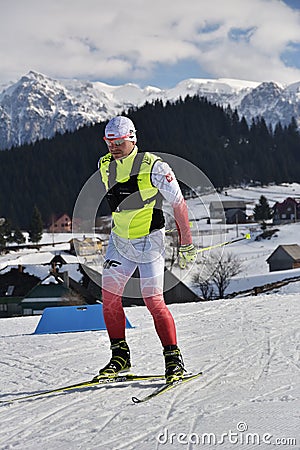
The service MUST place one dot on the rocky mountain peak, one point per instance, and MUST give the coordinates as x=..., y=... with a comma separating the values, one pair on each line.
x=37, y=106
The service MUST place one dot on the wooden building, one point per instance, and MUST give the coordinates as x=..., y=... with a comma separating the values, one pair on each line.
x=14, y=285
x=222, y=210
x=60, y=224
x=286, y=211
x=285, y=257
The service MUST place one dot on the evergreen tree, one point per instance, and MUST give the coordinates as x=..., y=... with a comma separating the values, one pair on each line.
x=262, y=210
x=36, y=227
x=6, y=231
x=18, y=236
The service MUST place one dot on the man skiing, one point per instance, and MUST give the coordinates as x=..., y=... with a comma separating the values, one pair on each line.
x=136, y=183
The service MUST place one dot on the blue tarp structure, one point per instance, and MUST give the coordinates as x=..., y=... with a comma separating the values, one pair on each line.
x=69, y=319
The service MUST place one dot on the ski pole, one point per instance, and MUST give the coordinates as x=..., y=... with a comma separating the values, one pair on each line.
x=222, y=244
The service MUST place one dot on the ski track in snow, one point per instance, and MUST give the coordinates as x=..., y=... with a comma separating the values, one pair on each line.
x=248, y=349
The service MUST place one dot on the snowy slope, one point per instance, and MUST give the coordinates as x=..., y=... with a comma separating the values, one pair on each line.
x=248, y=350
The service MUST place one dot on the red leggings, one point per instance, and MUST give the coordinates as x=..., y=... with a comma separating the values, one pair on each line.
x=114, y=317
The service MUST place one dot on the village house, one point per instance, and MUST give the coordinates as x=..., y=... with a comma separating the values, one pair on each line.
x=22, y=293
x=286, y=211
x=61, y=224
x=235, y=216
x=14, y=285
x=285, y=257
x=47, y=293
x=87, y=246
x=232, y=211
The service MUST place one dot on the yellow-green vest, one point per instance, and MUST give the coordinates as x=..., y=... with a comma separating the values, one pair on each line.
x=134, y=201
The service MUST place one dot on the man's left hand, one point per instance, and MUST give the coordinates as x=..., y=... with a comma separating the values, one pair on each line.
x=187, y=254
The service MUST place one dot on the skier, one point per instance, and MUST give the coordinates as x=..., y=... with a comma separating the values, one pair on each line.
x=136, y=184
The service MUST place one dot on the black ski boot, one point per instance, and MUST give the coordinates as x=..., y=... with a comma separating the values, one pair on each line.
x=119, y=362
x=174, y=364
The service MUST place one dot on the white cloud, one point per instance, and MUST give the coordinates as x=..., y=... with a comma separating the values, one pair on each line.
x=129, y=39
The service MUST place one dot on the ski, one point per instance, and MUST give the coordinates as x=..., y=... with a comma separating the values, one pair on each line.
x=88, y=384
x=166, y=387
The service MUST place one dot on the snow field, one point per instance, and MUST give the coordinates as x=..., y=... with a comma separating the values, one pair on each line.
x=248, y=349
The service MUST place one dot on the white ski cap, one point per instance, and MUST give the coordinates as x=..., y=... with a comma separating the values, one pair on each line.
x=120, y=127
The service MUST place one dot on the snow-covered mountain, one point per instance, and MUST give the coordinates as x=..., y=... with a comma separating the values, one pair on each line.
x=37, y=106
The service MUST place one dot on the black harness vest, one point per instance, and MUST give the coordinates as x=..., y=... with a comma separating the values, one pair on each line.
x=126, y=196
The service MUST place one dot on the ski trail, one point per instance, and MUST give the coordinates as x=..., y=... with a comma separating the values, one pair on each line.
x=248, y=350
x=25, y=431
x=281, y=389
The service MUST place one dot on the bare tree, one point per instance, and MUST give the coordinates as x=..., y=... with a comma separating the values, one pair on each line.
x=205, y=286
x=226, y=267
x=217, y=272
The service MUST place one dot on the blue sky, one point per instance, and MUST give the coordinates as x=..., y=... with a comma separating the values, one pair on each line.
x=151, y=42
